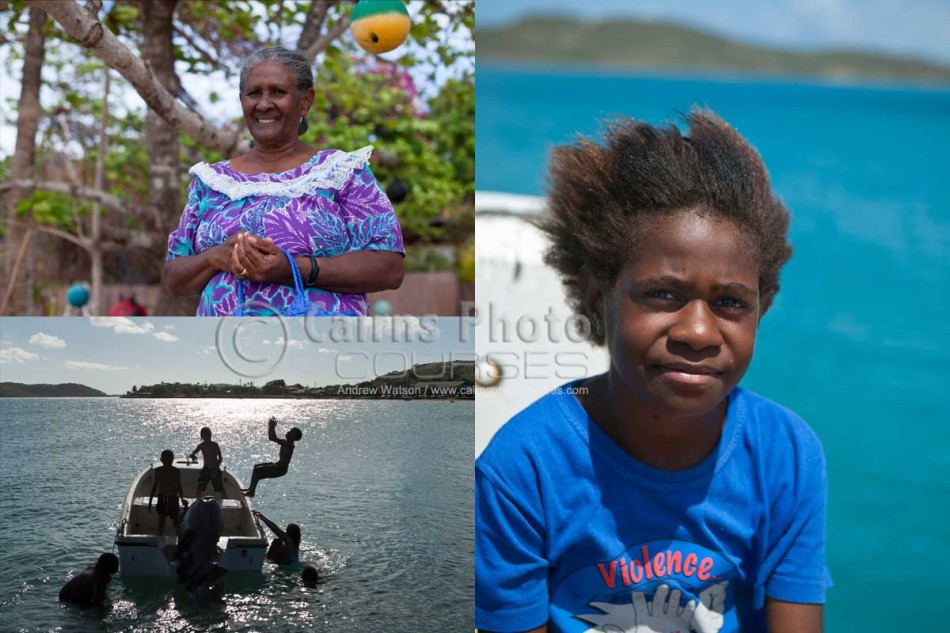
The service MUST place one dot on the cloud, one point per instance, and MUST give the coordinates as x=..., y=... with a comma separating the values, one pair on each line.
x=79, y=364
x=16, y=355
x=293, y=344
x=48, y=341
x=123, y=325
x=340, y=355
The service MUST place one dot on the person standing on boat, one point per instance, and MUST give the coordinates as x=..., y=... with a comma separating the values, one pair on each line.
x=272, y=470
x=211, y=468
x=88, y=587
x=168, y=485
x=285, y=549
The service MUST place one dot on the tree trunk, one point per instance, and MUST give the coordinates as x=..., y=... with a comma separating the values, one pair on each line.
x=164, y=178
x=164, y=175
x=21, y=168
x=95, y=239
x=313, y=24
x=89, y=32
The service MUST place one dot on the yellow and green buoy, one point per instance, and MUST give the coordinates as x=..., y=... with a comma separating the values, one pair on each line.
x=379, y=26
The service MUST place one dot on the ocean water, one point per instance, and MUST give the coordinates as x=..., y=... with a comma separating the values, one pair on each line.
x=382, y=491
x=858, y=340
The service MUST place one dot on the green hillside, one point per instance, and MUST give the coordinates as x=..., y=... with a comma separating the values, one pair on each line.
x=661, y=45
x=434, y=372
x=66, y=390
x=455, y=379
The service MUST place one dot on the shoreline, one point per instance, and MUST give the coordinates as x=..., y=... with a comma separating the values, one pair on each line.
x=244, y=397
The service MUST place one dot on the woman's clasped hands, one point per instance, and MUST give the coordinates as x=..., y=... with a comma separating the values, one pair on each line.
x=257, y=259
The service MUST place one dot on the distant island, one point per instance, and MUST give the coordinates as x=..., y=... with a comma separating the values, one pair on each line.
x=65, y=390
x=628, y=43
x=429, y=381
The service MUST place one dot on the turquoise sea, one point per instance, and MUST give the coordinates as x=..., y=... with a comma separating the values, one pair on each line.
x=858, y=341
x=382, y=491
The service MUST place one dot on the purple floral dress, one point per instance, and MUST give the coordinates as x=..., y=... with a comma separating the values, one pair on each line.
x=328, y=206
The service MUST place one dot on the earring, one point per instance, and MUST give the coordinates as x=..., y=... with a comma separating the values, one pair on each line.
x=302, y=128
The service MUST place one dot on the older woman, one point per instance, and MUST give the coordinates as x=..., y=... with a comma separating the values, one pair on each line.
x=323, y=207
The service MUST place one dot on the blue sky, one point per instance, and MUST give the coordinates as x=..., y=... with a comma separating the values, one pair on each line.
x=918, y=27
x=113, y=354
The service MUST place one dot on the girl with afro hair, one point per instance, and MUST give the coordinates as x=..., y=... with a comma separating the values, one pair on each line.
x=659, y=496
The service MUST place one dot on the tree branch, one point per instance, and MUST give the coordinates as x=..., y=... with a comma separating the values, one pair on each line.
x=205, y=55
x=106, y=246
x=105, y=199
x=89, y=32
x=70, y=170
x=327, y=38
x=313, y=23
x=69, y=237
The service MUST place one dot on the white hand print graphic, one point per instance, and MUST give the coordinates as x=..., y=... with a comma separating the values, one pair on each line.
x=663, y=614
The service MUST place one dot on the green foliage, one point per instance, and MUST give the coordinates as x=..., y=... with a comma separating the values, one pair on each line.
x=438, y=33
x=356, y=106
x=81, y=81
x=454, y=110
x=275, y=387
x=221, y=34
x=123, y=16
x=52, y=209
x=466, y=262
x=423, y=260
x=423, y=374
x=16, y=16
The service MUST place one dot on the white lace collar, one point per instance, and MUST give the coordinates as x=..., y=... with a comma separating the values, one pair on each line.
x=332, y=173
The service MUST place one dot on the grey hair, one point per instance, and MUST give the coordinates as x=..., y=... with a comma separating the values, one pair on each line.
x=297, y=63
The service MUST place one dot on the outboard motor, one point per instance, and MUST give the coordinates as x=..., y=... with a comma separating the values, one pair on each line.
x=202, y=526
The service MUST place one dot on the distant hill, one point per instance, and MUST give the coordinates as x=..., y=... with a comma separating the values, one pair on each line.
x=625, y=43
x=433, y=372
x=446, y=380
x=66, y=390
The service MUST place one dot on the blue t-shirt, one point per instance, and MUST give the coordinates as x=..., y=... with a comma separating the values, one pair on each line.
x=573, y=531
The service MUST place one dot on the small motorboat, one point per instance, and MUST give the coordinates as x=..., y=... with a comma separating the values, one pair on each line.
x=241, y=546
x=515, y=283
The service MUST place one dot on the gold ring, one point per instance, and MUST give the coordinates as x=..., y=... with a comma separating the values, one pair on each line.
x=243, y=272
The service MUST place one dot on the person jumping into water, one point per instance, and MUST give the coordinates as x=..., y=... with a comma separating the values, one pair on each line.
x=271, y=470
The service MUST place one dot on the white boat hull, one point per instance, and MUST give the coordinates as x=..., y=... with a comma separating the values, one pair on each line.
x=242, y=546
x=518, y=293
